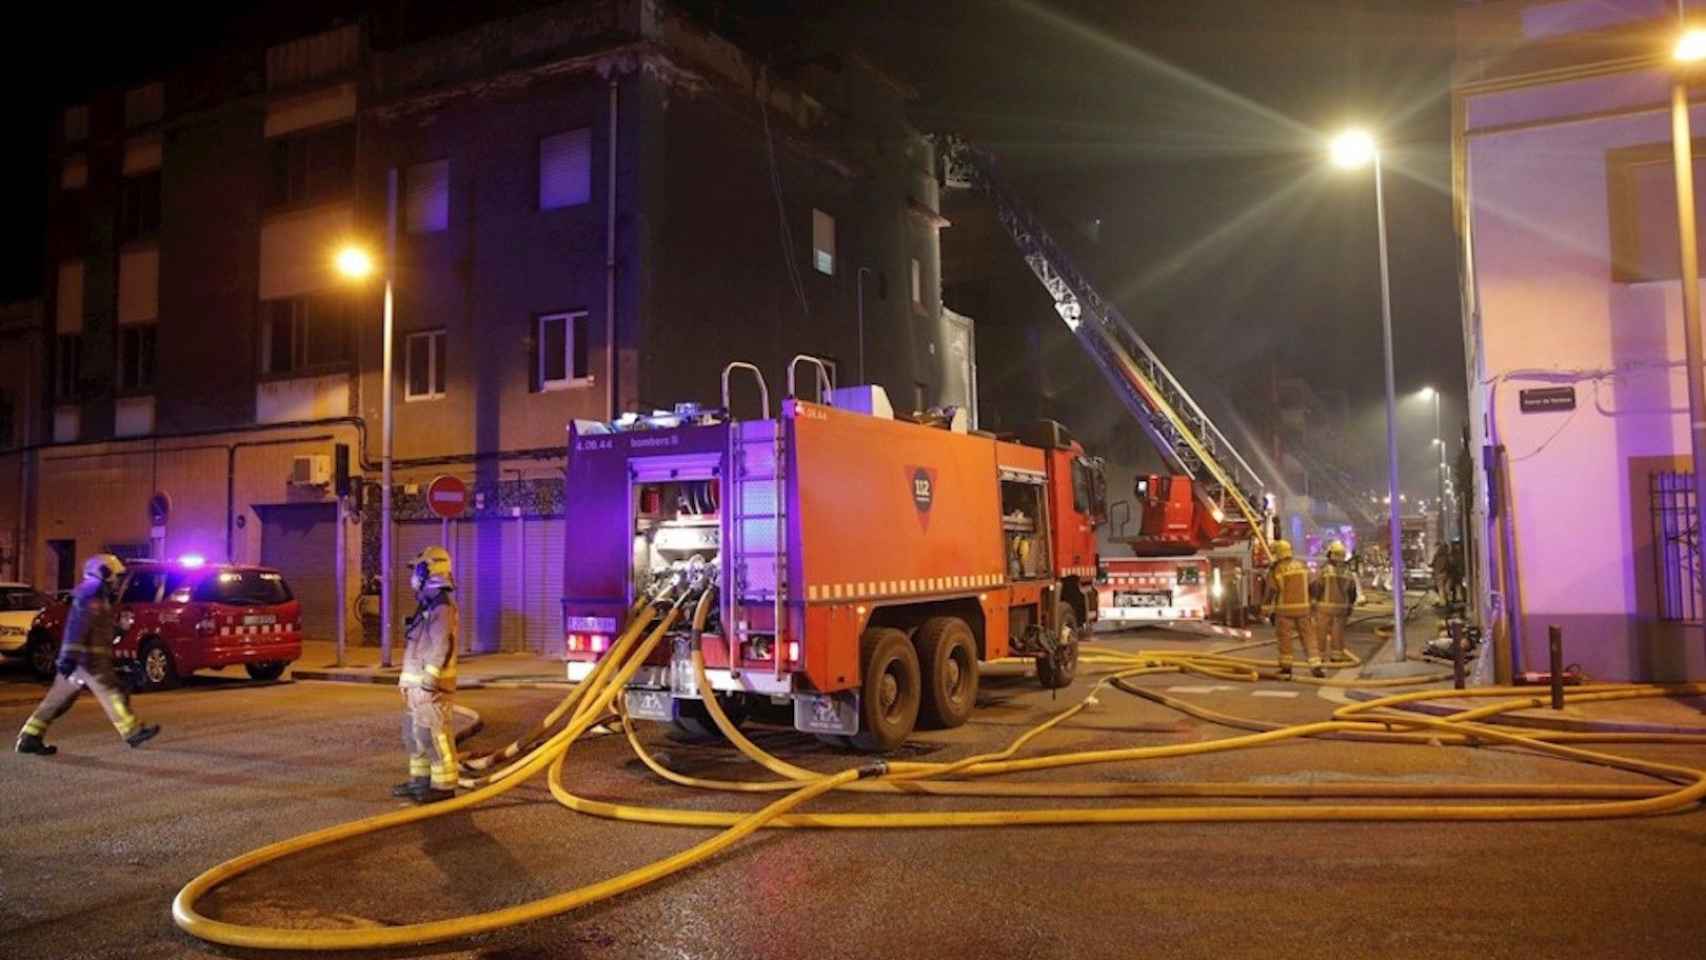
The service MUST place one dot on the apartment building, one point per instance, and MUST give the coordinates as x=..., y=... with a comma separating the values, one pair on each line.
x=596, y=206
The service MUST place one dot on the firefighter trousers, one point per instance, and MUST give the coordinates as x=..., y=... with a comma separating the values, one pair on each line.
x=104, y=684
x=1287, y=629
x=1330, y=627
x=426, y=736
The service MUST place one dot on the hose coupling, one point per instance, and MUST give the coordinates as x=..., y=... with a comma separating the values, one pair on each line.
x=874, y=769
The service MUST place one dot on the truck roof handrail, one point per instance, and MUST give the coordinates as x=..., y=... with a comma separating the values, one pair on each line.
x=763, y=388
x=825, y=382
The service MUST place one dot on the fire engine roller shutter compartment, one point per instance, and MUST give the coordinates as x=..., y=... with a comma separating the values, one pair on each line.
x=886, y=510
x=299, y=540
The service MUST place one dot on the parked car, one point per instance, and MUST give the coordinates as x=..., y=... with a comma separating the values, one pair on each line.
x=175, y=618
x=20, y=605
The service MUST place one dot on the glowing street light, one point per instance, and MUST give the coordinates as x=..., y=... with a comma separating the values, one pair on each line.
x=1353, y=149
x=1690, y=47
x=354, y=262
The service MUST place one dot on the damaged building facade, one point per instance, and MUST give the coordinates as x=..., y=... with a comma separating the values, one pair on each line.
x=597, y=206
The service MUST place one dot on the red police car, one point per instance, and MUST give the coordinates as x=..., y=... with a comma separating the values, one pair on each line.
x=175, y=618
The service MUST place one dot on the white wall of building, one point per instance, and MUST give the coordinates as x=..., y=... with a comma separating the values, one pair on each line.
x=1548, y=311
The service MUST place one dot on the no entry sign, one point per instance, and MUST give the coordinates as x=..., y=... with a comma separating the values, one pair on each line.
x=447, y=497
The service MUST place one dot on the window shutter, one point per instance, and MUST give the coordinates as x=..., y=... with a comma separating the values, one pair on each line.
x=138, y=286
x=565, y=169
x=426, y=201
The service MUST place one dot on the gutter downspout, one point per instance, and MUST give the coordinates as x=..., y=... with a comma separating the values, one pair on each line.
x=610, y=262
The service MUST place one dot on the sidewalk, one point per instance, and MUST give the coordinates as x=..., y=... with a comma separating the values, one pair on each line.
x=361, y=665
x=1650, y=715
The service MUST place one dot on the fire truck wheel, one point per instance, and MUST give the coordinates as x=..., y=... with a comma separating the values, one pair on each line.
x=693, y=722
x=890, y=691
x=947, y=656
x=1057, y=671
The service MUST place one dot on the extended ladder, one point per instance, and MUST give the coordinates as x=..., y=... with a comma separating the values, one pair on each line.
x=1190, y=442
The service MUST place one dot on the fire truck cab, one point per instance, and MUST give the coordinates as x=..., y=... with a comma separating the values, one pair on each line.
x=867, y=562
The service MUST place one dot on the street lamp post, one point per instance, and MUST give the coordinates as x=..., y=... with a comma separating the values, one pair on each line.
x=859, y=282
x=1351, y=150
x=1439, y=441
x=1690, y=51
x=386, y=560
x=356, y=263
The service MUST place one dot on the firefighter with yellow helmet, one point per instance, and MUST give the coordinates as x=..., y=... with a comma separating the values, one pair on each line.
x=86, y=662
x=428, y=681
x=1334, y=590
x=1287, y=602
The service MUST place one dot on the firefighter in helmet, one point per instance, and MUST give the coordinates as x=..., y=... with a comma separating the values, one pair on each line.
x=428, y=681
x=1287, y=602
x=86, y=661
x=1334, y=590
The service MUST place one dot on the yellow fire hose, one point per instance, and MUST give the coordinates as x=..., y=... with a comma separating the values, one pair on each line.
x=594, y=699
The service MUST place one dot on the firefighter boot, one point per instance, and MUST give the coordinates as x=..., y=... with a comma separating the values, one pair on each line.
x=431, y=794
x=1315, y=668
x=142, y=735
x=31, y=743
x=410, y=787
x=1285, y=671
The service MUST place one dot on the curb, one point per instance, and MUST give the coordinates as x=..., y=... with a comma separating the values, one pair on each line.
x=370, y=679
x=1561, y=724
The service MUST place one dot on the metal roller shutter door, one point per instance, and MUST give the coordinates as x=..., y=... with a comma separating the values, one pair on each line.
x=300, y=541
x=543, y=543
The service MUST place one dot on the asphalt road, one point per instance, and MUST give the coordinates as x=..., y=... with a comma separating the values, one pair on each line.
x=98, y=839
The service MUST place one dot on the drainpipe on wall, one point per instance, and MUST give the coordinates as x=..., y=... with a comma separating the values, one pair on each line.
x=610, y=263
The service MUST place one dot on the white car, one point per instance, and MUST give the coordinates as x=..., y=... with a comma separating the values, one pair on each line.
x=19, y=605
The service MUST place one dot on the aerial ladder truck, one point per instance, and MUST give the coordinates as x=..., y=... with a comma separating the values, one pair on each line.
x=1203, y=527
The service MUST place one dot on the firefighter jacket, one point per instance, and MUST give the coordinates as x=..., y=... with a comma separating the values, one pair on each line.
x=429, y=651
x=1288, y=589
x=88, y=638
x=1334, y=589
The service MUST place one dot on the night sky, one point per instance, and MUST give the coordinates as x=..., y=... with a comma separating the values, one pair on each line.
x=1191, y=130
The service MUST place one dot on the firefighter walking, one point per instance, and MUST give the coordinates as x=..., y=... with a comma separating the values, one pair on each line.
x=86, y=661
x=1287, y=602
x=1334, y=590
x=428, y=681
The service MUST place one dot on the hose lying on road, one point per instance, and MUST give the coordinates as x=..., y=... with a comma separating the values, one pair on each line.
x=598, y=697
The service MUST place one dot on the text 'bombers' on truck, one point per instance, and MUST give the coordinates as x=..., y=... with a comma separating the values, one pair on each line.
x=867, y=563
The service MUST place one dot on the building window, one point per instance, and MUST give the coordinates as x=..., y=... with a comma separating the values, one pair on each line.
x=565, y=169
x=136, y=349
x=74, y=174
x=311, y=167
x=8, y=421
x=77, y=123
x=424, y=354
x=303, y=334
x=144, y=105
x=823, y=243
x=560, y=342
x=426, y=197
x=67, y=365
x=139, y=207
x=1641, y=187
x=917, y=282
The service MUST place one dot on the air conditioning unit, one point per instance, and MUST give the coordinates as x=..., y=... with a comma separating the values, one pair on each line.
x=311, y=470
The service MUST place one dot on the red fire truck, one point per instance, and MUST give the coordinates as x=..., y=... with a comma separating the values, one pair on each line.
x=868, y=562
